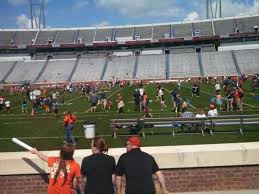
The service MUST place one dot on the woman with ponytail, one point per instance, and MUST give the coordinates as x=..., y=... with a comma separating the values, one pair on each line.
x=98, y=169
x=64, y=172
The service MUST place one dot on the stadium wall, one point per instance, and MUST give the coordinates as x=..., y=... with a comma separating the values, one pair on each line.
x=218, y=167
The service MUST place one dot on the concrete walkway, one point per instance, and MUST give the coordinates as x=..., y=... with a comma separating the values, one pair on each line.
x=224, y=192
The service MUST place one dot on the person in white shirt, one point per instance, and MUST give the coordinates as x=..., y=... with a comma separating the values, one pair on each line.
x=200, y=113
x=217, y=87
x=213, y=112
x=8, y=106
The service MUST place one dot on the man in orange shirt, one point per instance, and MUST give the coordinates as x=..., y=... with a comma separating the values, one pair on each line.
x=64, y=170
x=69, y=120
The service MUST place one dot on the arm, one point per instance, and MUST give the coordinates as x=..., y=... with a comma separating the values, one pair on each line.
x=118, y=184
x=76, y=183
x=42, y=156
x=161, y=180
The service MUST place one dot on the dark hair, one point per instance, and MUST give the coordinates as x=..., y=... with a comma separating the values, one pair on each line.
x=100, y=144
x=66, y=153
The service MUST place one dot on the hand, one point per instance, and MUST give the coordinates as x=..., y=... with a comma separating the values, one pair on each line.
x=34, y=151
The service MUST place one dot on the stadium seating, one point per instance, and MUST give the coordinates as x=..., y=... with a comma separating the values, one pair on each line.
x=124, y=33
x=248, y=61
x=161, y=31
x=89, y=69
x=45, y=36
x=144, y=32
x=151, y=67
x=85, y=36
x=184, y=65
x=120, y=68
x=57, y=71
x=5, y=67
x=66, y=37
x=224, y=27
x=24, y=37
x=182, y=30
x=218, y=64
x=6, y=37
x=25, y=70
x=203, y=29
x=105, y=34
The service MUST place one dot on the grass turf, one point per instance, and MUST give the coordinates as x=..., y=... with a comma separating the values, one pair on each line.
x=46, y=132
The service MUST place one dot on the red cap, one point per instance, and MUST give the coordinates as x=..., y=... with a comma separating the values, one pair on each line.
x=134, y=140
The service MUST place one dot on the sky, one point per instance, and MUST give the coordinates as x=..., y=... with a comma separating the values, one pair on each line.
x=97, y=13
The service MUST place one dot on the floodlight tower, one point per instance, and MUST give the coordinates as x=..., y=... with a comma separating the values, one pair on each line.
x=214, y=9
x=37, y=11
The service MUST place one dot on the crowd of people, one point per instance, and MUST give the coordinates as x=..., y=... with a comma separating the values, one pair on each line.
x=99, y=171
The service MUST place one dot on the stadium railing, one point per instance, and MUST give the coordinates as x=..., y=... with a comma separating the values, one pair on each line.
x=178, y=125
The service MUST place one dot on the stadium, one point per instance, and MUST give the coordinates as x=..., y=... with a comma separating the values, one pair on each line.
x=46, y=72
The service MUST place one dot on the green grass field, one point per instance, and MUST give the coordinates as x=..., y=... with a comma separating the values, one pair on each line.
x=46, y=132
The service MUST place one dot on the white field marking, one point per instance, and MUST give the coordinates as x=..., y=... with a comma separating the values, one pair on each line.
x=182, y=99
x=222, y=98
x=53, y=137
x=65, y=104
x=13, y=123
x=74, y=99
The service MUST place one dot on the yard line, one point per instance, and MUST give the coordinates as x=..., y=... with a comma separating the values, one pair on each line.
x=74, y=99
x=53, y=137
x=14, y=123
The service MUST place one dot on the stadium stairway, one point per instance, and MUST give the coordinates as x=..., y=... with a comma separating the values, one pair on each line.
x=74, y=69
x=41, y=71
x=236, y=63
x=200, y=64
x=135, y=67
x=104, y=68
x=10, y=71
x=167, y=66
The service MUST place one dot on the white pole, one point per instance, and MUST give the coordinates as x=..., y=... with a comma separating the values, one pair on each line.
x=20, y=143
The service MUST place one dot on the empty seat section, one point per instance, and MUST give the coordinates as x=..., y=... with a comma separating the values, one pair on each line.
x=182, y=30
x=218, y=64
x=248, y=61
x=144, y=32
x=85, y=36
x=89, y=69
x=24, y=37
x=247, y=24
x=57, y=71
x=224, y=27
x=120, y=68
x=184, y=65
x=161, y=32
x=6, y=37
x=104, y=34
x=66, y=36
x=203, y=28
x=25, y=70
x=151, y=67
x=124, y=33
x=5, y=66
x=45, y=36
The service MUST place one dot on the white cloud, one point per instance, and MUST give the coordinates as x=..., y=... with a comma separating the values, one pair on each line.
x=80, y=4
x=192, y=16
x=23, y=21
x=136, y=8
x=101, y=24
x=17, y=2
